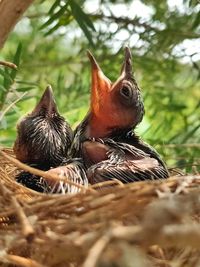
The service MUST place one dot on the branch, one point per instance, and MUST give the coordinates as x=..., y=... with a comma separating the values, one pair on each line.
x=124, y=20
x=11, y=11
x=8, y=64
x=137, y=22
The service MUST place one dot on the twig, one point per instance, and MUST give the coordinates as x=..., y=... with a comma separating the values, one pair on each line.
x=4, y=191
x=180, y=235
x=124, y=20
x=27, y=228
x=107, y=183
x=186, y=235
x=126, y=232
x=24, y=262
x=137, y=22
x=96, y=251
x=11, y=105
x=40, y=173
x=8, y=64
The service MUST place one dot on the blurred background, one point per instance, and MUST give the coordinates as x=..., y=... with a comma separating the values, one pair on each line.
x=49, y=46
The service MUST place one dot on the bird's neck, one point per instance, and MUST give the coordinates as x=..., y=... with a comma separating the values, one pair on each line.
x=97, y=127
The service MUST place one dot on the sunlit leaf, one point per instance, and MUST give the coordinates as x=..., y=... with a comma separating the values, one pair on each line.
x=54, y=17
x=16, y=61
x=82, y=19
x=54, y=6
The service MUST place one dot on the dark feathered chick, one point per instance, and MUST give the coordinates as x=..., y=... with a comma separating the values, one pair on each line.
x=105, y=138
x=43, y=140
x=43, y=136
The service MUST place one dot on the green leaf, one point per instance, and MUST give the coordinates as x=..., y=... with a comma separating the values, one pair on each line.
x=193, y=3
x=86, y=31
x=5, y=74
x=82, y=19
x=26, y=97
x=53, y=29
x=81, y=14
x=54, y=17
x=2, y=89
x=190, y=133
x=53, y=7
x=196, y=21
x=16, y=60
x=26, y=83
x=7, y=79
x=11, y=113
x=24, y=89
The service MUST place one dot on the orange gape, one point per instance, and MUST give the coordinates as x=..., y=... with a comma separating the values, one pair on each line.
x=106, y=140
x=113, y=105
x=101, y=87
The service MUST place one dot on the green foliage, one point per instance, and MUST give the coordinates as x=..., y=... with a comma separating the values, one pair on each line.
x=55, y=36
x=8, y=77
x=65, y=15
x=12, y=90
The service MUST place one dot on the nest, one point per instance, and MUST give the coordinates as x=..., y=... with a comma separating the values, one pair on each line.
x=150, y=223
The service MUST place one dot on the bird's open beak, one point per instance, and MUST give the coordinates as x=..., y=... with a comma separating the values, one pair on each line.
x=126, y=71
x=100, y=83
x=46, y=103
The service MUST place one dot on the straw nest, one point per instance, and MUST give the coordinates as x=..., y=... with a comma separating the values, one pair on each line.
x=140, y=224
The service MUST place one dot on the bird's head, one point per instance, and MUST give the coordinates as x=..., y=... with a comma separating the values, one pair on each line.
x=46, y=107
x=117, y=105
x=43, y=136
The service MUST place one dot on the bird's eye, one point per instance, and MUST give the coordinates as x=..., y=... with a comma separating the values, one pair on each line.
x=126, y=92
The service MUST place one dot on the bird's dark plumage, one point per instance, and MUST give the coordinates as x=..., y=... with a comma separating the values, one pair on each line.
x=105, y=138
x=74, y=171
x=43, y=140
x=43, y=136
x=33, y=182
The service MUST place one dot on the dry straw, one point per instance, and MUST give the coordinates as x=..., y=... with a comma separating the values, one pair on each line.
x=151, y=223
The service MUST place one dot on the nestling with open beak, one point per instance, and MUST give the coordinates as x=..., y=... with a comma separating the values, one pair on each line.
x=106, y=139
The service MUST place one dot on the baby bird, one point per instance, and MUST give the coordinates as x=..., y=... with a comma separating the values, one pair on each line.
x=43, y=140
x=106, y=140
x=43, y=136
